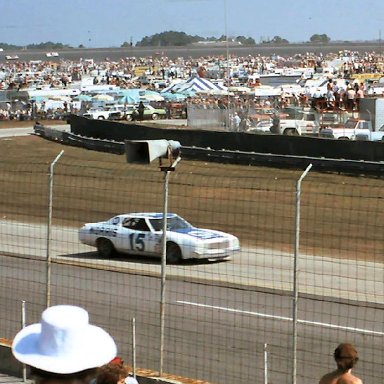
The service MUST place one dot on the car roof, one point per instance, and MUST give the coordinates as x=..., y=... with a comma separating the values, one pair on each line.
x=148, y=215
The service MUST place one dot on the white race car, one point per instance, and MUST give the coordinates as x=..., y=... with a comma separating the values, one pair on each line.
x=141, y=234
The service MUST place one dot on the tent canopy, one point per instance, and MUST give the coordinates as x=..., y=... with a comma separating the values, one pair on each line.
x=196, y=85
x=174, y=96
x=135, y=95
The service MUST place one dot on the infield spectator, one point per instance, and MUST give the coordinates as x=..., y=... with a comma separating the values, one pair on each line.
x=350, y=95
x=63, y=348
x=346, y=358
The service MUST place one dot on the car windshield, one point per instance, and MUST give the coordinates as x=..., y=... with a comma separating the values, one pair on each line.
x=350, y=124
x=173, y=223
x=292, y=113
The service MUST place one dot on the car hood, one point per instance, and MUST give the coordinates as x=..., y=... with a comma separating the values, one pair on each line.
x=202, y=234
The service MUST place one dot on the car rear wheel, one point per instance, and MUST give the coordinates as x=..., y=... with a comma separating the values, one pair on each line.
x=105, y=248
x=101, y=118
x=173, y=253
x=155, y=116
x=128, y=118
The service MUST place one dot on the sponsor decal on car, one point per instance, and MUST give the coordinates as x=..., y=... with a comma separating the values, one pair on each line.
x=198, y=233
x=103, y=231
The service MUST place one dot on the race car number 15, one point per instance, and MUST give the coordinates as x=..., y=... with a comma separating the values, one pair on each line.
x=136, y=241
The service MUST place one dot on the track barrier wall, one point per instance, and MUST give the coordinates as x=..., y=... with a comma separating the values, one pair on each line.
x=235, y=141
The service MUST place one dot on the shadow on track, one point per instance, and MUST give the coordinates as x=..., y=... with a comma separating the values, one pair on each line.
x=119, y=257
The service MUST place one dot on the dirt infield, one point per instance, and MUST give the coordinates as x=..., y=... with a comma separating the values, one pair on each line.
x=28, y=123
x=341, y=215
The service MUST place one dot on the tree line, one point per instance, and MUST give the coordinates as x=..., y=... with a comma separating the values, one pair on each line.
x=173, y=38
x=49, y=45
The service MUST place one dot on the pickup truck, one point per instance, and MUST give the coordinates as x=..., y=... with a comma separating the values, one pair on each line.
x=351, y=130
x=296, y=121
x=292, y=122
x=372, y=135
x=305, y=123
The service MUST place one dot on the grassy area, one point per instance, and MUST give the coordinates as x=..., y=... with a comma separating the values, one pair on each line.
x=341, y=215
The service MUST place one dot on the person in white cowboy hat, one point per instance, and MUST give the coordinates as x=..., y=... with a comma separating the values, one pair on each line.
x=63, y=346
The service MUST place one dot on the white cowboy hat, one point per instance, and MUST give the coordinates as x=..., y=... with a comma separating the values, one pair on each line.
x=64, y=342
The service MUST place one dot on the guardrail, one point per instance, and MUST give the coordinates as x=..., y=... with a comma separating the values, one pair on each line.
x=225, y=156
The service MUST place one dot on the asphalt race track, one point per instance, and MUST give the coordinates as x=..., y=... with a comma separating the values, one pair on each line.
x=228, y=280
x=187, y=312
x=274, y=269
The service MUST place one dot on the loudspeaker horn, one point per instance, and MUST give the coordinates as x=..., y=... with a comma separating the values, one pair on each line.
x=145, y=151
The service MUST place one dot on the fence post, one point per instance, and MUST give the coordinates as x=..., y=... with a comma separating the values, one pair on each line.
x=163, y=270
x=23, y=322
x=295, y=273
x=167, y=171
x=134, y=347
x=49, y=228
x=265, y=363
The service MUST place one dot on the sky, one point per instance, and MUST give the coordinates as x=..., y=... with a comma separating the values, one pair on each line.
x=110, y=23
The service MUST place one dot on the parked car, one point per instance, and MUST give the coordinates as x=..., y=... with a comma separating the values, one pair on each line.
x=52, y=54
x=117, y=112
x=149, y=113
x=141, y=234
x=97, y=114
x=262, y=126
x=110, y=112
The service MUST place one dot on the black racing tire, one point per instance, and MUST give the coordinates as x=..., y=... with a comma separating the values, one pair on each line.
x=105, y=248
x=173, y=253
x=129, y=118
x=101, y=118
x=155, y=116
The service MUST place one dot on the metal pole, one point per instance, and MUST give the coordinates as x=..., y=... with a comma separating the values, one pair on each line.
x=164, y=259
x=49, y=229
x=295, y=273
x=227, y=54
x=163, y=269
x=134, y=347
x=265, y=363
x=23, y=322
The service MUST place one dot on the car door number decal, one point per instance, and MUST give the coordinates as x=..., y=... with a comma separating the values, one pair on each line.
x=136, y=241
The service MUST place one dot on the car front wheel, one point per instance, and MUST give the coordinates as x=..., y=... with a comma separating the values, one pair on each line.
x=155, y=116
x=173, y=253
x=105, y=248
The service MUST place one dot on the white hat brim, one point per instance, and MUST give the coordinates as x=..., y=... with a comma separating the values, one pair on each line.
x=95, y=349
